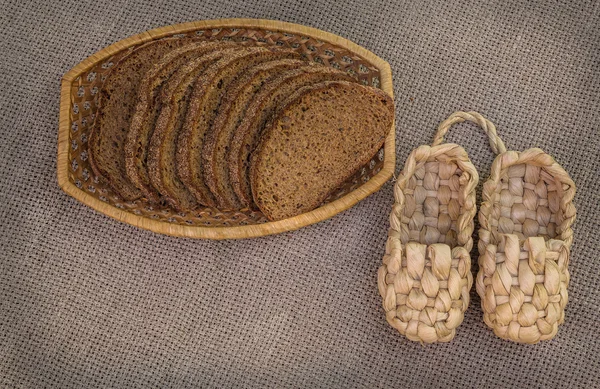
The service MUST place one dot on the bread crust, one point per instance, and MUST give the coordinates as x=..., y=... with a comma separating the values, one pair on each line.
x=148, y=108
x=174, y=98
x=308, y=156
x=117, y=100
x=260, y=110
x=204, y=101
x=231, y=111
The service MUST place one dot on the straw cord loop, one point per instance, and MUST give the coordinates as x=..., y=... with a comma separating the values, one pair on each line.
x=488, y=127
x=524, y=241
x=426, y=274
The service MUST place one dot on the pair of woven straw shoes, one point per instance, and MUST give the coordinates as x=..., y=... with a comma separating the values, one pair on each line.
x=524, y=241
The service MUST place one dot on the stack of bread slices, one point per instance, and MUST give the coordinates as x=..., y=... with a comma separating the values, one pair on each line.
x=232, y=125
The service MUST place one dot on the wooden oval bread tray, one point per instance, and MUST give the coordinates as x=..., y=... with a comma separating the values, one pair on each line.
x=79, y=92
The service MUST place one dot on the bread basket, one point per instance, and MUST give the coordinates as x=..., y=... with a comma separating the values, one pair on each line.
x=79, y=91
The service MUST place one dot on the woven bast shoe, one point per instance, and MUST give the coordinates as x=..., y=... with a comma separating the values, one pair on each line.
x=524, y=243
x=426, y=273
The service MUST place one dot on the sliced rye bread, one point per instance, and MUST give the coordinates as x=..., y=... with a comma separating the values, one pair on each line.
x=230, y=113
x=117, y=101
x=203, y=106
x=148, y=109
x=263, y=106
x=174, y=97
x=289, y=99
x=315, y=144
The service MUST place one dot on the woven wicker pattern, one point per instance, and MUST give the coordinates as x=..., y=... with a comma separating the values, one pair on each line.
x=426, y=274
x=525, y=297
x=84, y=95
x=432, y=202
x=425, y=289
x=524, y=242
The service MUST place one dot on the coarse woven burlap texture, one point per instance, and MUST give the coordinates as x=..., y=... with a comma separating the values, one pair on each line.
x=86, y=301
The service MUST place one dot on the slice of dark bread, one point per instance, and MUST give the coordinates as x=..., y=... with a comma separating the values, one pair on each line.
x=315, y=144
x=204, y=104
x=230, y=113
x=117, y=101
x=263, y=106
x=149, y=106
x=174, y=97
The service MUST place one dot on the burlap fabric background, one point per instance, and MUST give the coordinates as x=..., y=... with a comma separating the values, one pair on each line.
x=86, y=301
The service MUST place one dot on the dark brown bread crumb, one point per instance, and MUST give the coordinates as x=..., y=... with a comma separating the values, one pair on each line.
x=315, y=144
x=258, y=113
x=148, y=108
x=117, y=101
x=230, y=113
x=204, y=104
x=174, y=98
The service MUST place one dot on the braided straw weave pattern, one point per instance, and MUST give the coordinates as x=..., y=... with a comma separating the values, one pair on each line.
x=426, y=273
x=524, y=243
